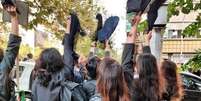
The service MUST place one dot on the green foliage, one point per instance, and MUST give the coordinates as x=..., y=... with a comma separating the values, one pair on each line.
x=186, y=6
x=194, y=63
x=143, y=26
x=24, y=49
x=53, y=14
x=193, y=29
x=83, y=45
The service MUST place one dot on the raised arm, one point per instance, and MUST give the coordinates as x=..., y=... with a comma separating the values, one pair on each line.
x=68, y=46
x=107, y=49
x=146, y=47
x=14, y=41
x=11, y=53
x=128, y=53
x=129, y=47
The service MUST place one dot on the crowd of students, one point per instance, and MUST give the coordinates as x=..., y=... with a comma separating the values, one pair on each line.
x=56, y=77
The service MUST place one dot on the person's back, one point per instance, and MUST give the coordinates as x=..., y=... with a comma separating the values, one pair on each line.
x=50, y=79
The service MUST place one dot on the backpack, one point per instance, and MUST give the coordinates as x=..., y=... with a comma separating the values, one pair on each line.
x=96, y=96
x=66, y=90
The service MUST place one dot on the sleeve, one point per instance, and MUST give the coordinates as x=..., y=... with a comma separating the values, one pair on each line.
x=11, y=53
x=128, y=62
x=33, y=91
x=146, y=49
x=68, y=51
x=127, y=57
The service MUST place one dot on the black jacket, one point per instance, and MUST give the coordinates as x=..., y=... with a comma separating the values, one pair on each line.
x=7, y=64
x=89, y=88
x=128, y=66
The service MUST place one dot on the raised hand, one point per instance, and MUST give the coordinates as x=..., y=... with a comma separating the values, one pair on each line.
x=68, y=24
x=107, y=45
x=132, y=35
x=14, y=19
x=136, y=19
x=148, y=38
x=11, y=10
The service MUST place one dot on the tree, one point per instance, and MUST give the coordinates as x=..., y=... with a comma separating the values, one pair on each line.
x=186, y=6
x=53, y=14
x=24, y=49
x=194, y=63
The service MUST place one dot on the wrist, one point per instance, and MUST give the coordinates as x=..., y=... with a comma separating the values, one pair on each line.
x=14, y=16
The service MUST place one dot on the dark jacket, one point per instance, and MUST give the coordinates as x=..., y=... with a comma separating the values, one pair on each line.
x=53, y=90
x=128, y=61
x=128, y=66
x=89, y=88
x=7, y=64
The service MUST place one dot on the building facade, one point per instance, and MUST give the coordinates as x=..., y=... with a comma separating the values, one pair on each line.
x=177, y=47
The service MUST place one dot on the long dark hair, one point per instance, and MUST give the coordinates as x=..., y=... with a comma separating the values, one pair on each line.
x=110, y=82
x=92, y=65
x=49, y=62
x=148, y=84
x=174, y=90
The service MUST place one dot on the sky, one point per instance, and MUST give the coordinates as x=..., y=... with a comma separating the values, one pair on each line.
x=116, y=8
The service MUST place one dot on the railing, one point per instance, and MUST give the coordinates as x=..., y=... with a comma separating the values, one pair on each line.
x=190, y=45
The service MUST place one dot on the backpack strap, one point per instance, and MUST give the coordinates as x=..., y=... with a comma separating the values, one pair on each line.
x=71, y=85
x=66, y=90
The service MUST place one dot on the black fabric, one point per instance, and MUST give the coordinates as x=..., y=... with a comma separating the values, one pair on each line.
x=137, y=5
x=89, y=88
x=68, y=42
x=128, y=68
x=58, y=90
x=78, y=94
x=71, y=91
x=153, y=13
x=99, y=25
x=75, y=24
x=7, y=64
x=133, y=6
x=144, y=5
x=108, y=28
